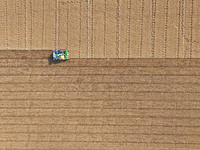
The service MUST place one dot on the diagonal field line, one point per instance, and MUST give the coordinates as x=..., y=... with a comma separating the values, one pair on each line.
x=191, y=26
x=26, y=27
x=128, y=28
x=141, y=27
x=18, y=20
x=105, y=24
x=6, y=23
x=56, y=24
x=88, y=27
x=166, y=27
x=183, y=30
x=153, y=23
x=178, y=30
x=80, y=24
x=31, y=31
x=43, y=23
x=118, y=28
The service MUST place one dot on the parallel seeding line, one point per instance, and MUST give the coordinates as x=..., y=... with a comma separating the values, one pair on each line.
x=153, y=18
x=129, y=29
x=166, y=27
x=191, y=27
x=178, y=33
x=141, y=27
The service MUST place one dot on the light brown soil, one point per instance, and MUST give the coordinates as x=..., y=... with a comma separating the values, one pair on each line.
x=103, y=28
x=103, y=103
x=98, y=103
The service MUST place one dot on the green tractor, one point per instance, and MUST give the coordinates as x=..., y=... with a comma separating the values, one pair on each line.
x=61, y=54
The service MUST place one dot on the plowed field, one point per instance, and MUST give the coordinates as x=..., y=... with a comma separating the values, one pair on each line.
x=98, y=103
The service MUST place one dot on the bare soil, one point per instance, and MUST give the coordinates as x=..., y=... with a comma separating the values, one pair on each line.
x=98, y=103
x=103, y=28
x=104, y=103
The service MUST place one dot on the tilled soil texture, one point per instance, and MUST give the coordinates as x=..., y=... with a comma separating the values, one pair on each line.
x=121, y=104
x=103, y=28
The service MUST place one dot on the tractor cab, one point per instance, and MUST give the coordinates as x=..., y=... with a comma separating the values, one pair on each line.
x=61, y=54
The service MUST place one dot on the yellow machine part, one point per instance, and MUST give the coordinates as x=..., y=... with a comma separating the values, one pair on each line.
x=62, y=57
